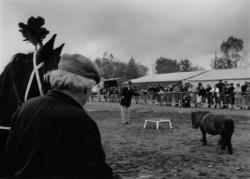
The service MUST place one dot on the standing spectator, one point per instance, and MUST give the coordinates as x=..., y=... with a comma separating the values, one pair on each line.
x=144, y=93
x=192, y=94
x=168, y=95
x=231, y=94
x=201, y=95
x=226, y=99
x=209, y=95
x=170, y=86
x=137, y=96
x=156, y=94
x=126, y=96
x=244, y=95
x=247, y=97
x=238, y=96
x=177, y=95
x=150, y=93
x=215, y=95
x=52, y=136
x=221, y=87
x=185, y=88
x=161, y=95
x=117, y=95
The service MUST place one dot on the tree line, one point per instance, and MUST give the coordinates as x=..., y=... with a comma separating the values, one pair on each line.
x=231, y=55
x=111, y=67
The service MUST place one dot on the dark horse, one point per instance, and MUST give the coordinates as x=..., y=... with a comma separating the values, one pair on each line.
x=14, y=80
x=214, y=124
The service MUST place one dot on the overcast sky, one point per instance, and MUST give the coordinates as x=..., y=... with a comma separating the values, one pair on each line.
x=143, y=29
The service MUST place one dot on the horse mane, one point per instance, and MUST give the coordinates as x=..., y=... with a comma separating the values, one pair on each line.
x=16, y=75
x=200, y=114
x=22, y=61
x=19, y=66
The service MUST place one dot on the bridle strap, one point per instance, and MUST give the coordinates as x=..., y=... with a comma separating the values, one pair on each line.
x=37, y=74
x=34, y=72
x=5, y=128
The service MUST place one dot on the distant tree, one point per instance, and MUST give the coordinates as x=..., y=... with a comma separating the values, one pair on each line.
x=231, y=54
x=99, y=63
x=185, y=65
x=105, y=65
x=132, y=70
x=142, y=70
x=120, y=69
x=111, y=67
x=166, y=65
x=108, y=69
x=222, y=63
x=198, y=68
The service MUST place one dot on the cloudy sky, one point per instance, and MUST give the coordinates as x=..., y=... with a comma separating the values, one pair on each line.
x=143, y=29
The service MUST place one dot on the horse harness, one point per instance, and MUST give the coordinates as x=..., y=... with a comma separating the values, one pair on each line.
x=33, y=73
x=203, y=119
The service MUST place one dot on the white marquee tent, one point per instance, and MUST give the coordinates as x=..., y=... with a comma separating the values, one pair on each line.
x=165, y=78
x=212, y=77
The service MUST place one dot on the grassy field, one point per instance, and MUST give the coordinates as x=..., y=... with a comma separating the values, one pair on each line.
x=135, y=152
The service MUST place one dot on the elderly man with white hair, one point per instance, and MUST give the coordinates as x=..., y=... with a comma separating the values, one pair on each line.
x=52, y=136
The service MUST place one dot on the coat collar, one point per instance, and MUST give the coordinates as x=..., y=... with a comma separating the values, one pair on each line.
x=63, y=96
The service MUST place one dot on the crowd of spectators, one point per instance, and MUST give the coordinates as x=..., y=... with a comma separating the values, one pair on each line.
x=220, y=95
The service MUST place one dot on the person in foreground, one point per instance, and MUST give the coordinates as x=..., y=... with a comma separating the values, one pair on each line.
x=52, y=136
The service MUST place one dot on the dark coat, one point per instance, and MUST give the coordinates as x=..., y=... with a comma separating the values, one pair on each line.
x=221, y=87
x=126, y=96
x=53, y=137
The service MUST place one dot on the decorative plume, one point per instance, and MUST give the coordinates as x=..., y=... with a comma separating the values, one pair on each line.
x=33, y=31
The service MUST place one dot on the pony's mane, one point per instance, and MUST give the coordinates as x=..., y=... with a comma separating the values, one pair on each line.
x=22, y=57
x=21, y=63
x=201, y=113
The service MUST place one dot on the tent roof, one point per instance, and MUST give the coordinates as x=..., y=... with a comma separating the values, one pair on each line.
x=167, y=77
x=111, y=79
x=225, y=74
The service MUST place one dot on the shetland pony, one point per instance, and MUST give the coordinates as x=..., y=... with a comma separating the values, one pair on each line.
x=214, y=124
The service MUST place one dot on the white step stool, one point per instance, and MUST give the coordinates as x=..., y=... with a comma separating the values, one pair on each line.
x=158, y=121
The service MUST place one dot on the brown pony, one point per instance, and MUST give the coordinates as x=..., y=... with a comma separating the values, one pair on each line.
x=214, y=124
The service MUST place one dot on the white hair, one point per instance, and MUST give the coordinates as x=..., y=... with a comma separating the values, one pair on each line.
x=60, y=79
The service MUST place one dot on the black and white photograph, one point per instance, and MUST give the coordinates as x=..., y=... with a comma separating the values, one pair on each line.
x=125, y=89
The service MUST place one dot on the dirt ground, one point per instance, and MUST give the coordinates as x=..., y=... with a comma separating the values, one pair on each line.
x=135, y=152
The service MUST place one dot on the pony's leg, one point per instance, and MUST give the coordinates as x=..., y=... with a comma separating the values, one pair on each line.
x=204, y=139
x=229, y=144
x=230, y=148
x=223, y=142
x=220, y=141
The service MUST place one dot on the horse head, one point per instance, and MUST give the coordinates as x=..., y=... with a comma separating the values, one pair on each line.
x=50, y=58
x=196, y=117
x=17, y=83
x=49, y=55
